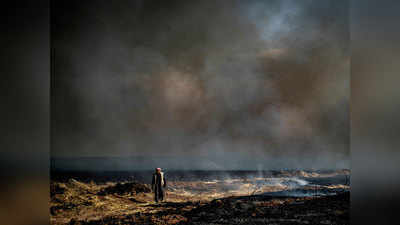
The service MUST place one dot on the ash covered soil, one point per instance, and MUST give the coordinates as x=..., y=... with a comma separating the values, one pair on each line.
x=230, y=197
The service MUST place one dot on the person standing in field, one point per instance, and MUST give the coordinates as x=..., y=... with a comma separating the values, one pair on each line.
x=158, y=184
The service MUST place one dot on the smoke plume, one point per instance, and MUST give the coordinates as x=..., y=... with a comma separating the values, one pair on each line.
x=204, y=84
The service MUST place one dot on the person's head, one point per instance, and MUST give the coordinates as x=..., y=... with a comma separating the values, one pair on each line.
x=158, y=170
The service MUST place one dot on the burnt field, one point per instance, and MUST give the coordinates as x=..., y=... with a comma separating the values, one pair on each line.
x=202, y=197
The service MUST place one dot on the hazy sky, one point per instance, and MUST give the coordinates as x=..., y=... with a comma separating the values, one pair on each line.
x=221, y=84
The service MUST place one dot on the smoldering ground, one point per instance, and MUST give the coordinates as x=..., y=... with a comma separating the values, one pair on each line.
x=208, y=84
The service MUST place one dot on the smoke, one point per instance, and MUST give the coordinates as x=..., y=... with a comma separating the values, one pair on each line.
x=206, y=84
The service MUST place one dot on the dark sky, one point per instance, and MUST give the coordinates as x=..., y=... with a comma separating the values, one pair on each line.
x=224, y=84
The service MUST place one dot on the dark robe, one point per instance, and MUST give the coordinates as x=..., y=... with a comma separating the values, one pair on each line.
x=158, y=184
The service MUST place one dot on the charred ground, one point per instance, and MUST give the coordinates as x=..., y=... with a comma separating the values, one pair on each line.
x=202, y=197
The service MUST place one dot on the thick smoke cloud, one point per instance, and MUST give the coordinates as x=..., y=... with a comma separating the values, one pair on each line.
x=207, y=84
